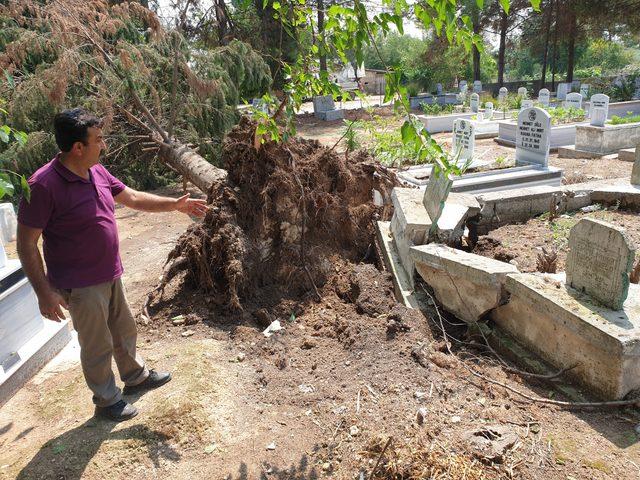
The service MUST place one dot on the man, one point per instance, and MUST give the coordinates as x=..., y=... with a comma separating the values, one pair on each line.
x=72, y=206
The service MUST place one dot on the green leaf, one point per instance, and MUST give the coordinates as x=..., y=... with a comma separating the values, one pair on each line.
x=21, y=137
x=408, y=132
x=4, y=133
x=10, y=79
x=535, y=4
x=26, y=189
x=480, y=3
x=505, y=4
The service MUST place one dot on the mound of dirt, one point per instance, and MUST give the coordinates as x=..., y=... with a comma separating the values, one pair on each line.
x=286, y=210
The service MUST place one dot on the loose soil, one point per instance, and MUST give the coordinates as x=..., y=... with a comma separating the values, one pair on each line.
x=318, y=399
x=521, y=243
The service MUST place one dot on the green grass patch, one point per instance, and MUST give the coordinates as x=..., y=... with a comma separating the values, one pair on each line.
x=616, y=120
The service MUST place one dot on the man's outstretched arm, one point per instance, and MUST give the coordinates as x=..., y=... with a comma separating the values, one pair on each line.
x=149, y=202
x=49, y=300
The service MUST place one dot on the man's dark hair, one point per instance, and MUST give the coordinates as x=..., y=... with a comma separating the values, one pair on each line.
x=71, y=126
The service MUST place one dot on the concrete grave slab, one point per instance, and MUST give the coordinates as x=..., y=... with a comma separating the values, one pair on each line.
x=595, y=142
x=466, y=284
x=627, y=155
x=330, y=115
x=566, y=328
x=600, y=260
x=635, y=172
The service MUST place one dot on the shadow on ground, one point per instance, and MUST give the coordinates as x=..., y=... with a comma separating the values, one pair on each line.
x=67, y=456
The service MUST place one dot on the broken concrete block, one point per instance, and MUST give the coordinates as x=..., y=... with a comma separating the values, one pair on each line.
x=458, y=210
x=566, y=328
x=409, y=224
x=465, y=284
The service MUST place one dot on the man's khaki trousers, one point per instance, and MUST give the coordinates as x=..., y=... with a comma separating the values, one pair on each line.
x=106, y=328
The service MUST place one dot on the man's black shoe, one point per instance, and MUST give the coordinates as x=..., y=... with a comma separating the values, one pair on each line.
x=154, y=380
x=118, y=412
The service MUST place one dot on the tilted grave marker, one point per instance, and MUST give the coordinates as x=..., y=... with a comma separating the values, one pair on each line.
x=599, y=262
x=463, y=142
x=533, y=137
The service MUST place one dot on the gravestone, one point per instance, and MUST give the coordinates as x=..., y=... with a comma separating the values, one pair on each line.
x=635, y=173
x=599, y=262
x=573, y=100
x=323, y=103
x=3, y=254
x=488, y=110
x=584, y=90
x=8, y=222
x=599, y=100
x=477, y=86
x=533, y=137
x=463, y=142
x=436, y=194
x=474, y=102
x=562, y=90
x=522, y=92
x=544, y=96
x=439, y=88
x=636, y=95
x=463, y=86
x=502, y=94
x=598, y=117
x=526, y=104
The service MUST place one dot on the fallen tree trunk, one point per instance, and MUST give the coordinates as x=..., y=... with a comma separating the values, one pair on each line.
x=191, y=166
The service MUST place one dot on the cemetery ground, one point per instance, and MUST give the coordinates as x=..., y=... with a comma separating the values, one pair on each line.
x=320, y=399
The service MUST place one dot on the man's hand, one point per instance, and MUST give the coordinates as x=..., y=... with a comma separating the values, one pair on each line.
x=192, y=206
x=50, y=303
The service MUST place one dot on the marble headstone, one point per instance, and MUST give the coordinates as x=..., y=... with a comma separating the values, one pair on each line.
x=584, y=90
x=323, y=103
x=502, y=94
x=533, y=137
x=598, y=117
x=600, y=260
x=463, y=86
x=436, y=194
x=439, y=88
x=474, y=102
x=526, y=103
x=599, y=100
x=543, y=96
x=477, y=86
x=562, y=90
x=522, y=92
x=573, y=100
x=488, y=110
x=463, y=142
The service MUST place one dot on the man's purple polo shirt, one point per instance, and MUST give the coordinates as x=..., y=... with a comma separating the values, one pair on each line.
x=78, y=224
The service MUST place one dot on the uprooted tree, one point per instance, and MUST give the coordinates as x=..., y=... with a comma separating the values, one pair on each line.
x=160, y=98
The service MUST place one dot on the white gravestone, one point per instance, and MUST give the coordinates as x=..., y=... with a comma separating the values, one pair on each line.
x=522, y=92
x=323, y=103
x=463, y=86
x=573, y=100
x=436, y=194
x=635, y=173
x=562, y=90
x=477, y=86
x=488, y=110
x=464, y=138
x=544, y=96
x=439, y=88
x=600, y=260
x=533, y=137
x=598, y=117
x=599, y=100
x=8, y=222
x=474, y=102
x=3, y=254
x=584, y=90
x=526, y=104
x=502, y=94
